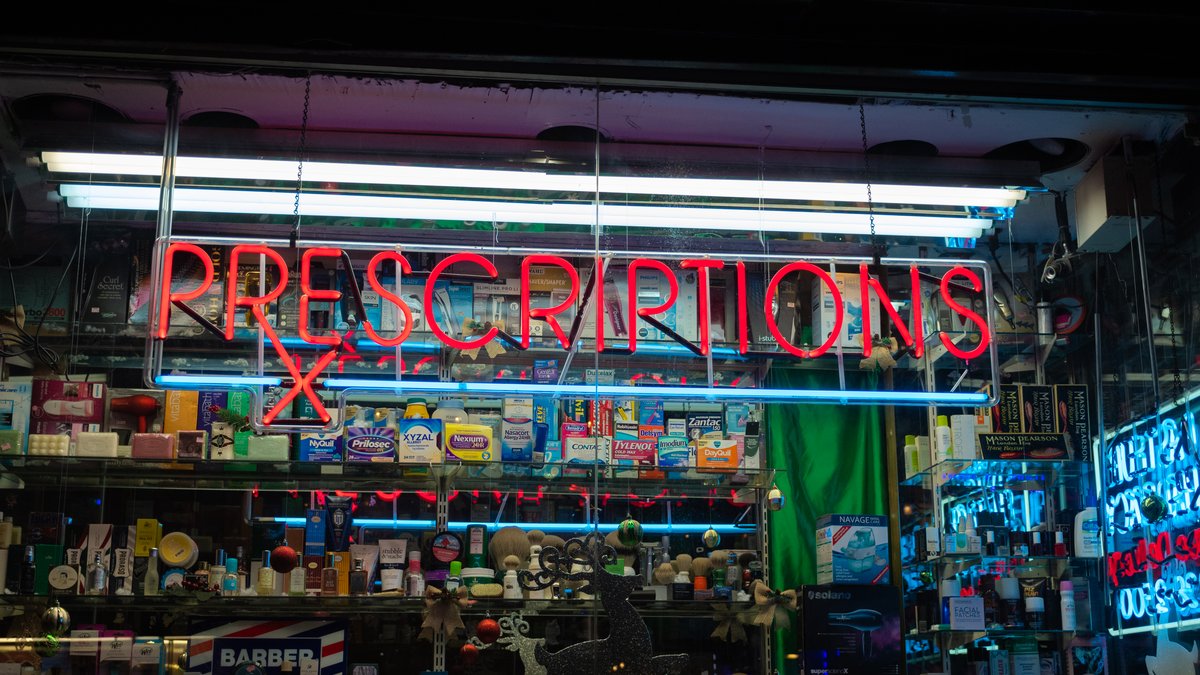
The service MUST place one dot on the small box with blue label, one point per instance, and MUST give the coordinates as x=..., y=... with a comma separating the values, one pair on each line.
x=852, y=549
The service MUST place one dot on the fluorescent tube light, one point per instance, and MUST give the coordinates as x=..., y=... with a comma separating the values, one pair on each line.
x=666, y=393
x=204, y=200
x=648, y=528
x=384, y=174
x=202, y=381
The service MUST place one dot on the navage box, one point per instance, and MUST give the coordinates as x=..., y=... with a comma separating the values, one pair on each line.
x=852, y=549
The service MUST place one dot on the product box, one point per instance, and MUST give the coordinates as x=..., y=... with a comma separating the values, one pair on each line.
x=187, y=274
x=419, y=442
x=191, y=444
x=852, y=549
x=499, y=303
x=849, y=286
x=45, y=527
x=319, y=446
x=1071, y=405
x=393, y=557
x=625, y=419
x=703, y=425
x=147, y=534
x=16, y=398
x=1037, y=409
x=314, y=535
x=105, y=308
x=717, y=455
x=650, y=419
x=962, y=435
x=674, y=452
x=785, y=314
x=851, y=629
x=34, y=286
x=370, y=444
x=468, y=443
x=635, y=453
x=313, y=566
x=1006, y=416
x=516, y=431
x=61, y=407
x=46, y=557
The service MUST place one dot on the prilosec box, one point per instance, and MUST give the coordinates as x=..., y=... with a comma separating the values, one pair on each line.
x=852, y=549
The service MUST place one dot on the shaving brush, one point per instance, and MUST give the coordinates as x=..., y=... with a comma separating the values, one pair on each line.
x=536, y=537
x=508, y=541
x=664, y=574
x=701, y=567
x=551, y=540
x=682, y=563
x=626, y=554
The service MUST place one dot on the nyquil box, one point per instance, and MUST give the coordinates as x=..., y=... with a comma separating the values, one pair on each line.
x=852, y=549
x=316, y=446
x=516, y=430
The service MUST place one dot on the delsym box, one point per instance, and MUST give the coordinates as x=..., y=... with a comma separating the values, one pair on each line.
x=852, y=549
x=851, y=629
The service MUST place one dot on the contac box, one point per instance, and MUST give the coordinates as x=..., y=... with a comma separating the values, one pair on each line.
x=852, y=549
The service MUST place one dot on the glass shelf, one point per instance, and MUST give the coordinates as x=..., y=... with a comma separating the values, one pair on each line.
x=79, y=472
x=954, y=476
x=348, y=605
x=989, y=633
x=974, y=559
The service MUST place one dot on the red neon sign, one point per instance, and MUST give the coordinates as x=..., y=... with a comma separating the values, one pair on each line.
x=573, y=290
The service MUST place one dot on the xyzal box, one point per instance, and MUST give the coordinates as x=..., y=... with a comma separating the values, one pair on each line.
x=852, y=549
x=420, y=442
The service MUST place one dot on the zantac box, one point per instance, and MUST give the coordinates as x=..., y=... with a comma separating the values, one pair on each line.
x=852, y=549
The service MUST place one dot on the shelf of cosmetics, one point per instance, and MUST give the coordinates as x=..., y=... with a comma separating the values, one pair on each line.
x=143, y=562
x=963, y=476
x=637, y=438
x=1011, y=651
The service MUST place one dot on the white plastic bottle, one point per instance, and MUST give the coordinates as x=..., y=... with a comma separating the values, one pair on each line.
x=535, y=566
x=912, y=457
x=942, y=444
x=1067, y=601
x=450, y=410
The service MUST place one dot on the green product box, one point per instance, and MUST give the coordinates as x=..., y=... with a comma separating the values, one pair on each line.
x=45, y=558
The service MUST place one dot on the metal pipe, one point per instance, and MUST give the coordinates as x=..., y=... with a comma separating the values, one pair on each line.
x=162, y=230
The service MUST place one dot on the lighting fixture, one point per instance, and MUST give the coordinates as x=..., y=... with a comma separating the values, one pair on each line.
x=381, y=174
x=653, y=528
x=205, y=200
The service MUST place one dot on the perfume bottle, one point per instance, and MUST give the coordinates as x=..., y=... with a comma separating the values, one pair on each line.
x=97, y=577
x=28, y=572
x=266, y=577
x=329, y=581
x=231, y=582
x=358, y=578
x=150, y=584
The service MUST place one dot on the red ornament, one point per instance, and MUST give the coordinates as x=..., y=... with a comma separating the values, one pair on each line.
x=283, y=559
x=469, y=653
x=488, y=631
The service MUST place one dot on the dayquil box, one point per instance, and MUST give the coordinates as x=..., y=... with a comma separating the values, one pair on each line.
x=420, y=442
x=717, y=455
x=467, y=443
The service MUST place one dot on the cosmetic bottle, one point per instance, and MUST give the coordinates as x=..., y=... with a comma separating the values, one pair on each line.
x=1066, y=591
x=231, y=582
x=29, y=573
x=989, y=548
x=1035, y=611
x=1035, y=546
x=1060, y=544
x=535, y=567
x=512, y=588
x=951, y=588
x=414, y=581
x=97, y=574
x=329, y=582
x=358, y=578
x=942, y=440
x=265, y=585
x=454, y=579
x=150, y=584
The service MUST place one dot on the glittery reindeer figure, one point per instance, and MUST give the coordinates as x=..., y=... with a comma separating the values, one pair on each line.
x=627, y=648
x=514, y=636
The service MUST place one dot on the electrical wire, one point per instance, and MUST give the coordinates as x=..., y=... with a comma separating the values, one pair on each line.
x=30, y=344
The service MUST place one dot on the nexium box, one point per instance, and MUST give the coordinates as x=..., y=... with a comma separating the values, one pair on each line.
x=852, y=549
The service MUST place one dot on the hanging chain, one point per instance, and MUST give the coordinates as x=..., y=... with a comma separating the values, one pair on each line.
x=300, y=150
x=862, y=127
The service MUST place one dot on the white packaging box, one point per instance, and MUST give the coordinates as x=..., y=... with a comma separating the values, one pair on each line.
x=852, y=311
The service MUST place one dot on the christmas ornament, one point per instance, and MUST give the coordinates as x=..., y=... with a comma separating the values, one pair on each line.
x=488, y=631
x=775, y=499
x=469, y=654
x=47, y=646
x=1154, y=508
x=56, y=621
x=627, y=647
x=711, y=538
x=283, y=559
x=772, y=606
x=629, y=532
x=729, y=624
x=443, y=611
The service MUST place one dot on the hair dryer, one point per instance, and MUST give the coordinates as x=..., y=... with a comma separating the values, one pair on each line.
x=139, y=405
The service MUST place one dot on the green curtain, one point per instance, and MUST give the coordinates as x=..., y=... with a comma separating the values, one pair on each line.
x=830, y=459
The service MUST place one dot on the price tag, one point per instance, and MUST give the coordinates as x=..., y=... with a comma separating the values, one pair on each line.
x=84, y=642
x=123, y=563
x=966, y=614
x=117, y=647
x=146, y=653
x=73, y=555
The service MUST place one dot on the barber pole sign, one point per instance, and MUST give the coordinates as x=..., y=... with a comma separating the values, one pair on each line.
x=221, y=648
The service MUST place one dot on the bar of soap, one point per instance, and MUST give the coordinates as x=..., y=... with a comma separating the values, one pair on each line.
x=11, y=442
x=58, y=445
x=270, y=448
x=96, y=444
x=190, y=444
x=153, y=446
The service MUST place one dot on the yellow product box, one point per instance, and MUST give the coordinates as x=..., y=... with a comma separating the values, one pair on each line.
x=717, y=455
x=180, y=411
x=468, y=443
x=340, y=560
x=146, y=537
